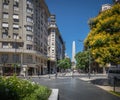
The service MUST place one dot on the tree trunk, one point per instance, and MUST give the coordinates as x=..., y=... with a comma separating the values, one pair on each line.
x=104, y=71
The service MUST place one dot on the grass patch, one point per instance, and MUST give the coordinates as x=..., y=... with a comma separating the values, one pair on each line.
x=13, y=88
x=115, y=93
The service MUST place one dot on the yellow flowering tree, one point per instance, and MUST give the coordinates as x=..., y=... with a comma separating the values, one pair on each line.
x=104, y=36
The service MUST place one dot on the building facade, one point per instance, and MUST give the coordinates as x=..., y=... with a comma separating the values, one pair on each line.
x=116, y=1
x=56, y=45
x=105, y=7
x=23, y=37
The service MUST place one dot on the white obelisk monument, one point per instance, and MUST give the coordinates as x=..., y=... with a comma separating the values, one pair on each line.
x=73, y=55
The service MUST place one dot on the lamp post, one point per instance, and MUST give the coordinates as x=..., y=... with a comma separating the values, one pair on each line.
x=89, y=63
x=49, y=69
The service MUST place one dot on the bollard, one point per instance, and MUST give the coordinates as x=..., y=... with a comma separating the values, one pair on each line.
x=114, y=83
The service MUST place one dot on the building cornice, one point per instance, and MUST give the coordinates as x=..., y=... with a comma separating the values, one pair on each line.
x=44, y=5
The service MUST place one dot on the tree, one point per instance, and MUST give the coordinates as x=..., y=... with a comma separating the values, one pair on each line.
x=64, y=63
x=104, y=37
x=82, y=60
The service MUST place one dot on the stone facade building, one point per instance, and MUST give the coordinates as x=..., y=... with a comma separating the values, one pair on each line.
x=23, y=37
x=56, y=45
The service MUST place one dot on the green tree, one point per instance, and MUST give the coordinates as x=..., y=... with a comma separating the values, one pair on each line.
x=82, y=60
x=104, y=37
x=64, y=63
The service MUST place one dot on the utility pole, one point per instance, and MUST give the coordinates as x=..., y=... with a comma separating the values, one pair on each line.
x=89, y=62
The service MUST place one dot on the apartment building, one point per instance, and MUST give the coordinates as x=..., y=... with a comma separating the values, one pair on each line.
x=116, y=1
x=108, y=6
x=56, y=45
x=23, y=36
x=105, y=7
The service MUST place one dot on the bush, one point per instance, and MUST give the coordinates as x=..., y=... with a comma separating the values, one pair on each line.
x=13, y=88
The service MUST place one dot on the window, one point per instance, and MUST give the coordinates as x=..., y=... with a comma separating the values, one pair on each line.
x=29, y=37
x=5, y=15
x=29, y=57
x=15, y=26
x=29, y=47
x=52, y=51
x=105, y=8
x=4, y=35
x=29, y=19
x=42, y=22
x=15, y=45
x=5, y=45
x=15, y=8
x=29, y=3
x=53, y=35
x=16, y=4
x=4, y=25
x=5, y=6
x=15, y=36
x=15, y=16
x=29, y=0
x=6, y=1
x=29, y=28
x=52, y=30
x=29, y=10
x=52, y=43
x=4, y=57
x=16, y=0
x=42, y=29
x=15, y=58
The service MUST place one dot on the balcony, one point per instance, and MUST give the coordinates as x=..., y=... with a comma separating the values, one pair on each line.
x=11, y=50
x=11, y=40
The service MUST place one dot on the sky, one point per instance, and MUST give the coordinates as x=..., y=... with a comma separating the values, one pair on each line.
x=72, y=19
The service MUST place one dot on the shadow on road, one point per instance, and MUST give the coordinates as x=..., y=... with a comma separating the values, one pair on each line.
x=103, y=82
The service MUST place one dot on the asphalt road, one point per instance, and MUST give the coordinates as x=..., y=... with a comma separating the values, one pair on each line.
x=76, y=89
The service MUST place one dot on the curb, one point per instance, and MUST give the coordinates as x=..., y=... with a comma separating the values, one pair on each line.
x=54, y=95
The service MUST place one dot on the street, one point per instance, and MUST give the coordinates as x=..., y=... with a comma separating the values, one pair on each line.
x=75, y=89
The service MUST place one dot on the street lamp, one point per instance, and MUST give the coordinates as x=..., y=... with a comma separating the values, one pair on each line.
x=89, y=62
x=49, y=66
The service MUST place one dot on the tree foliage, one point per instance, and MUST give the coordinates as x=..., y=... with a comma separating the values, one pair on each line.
x=64, y=63
x=104, y=37
x=82, y=60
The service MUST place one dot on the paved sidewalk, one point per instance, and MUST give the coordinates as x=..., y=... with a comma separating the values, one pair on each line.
x=109, y=88
x=104, y=87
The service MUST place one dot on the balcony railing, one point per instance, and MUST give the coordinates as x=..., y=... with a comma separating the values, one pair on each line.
x=10, y=50
x=20, y=50
x=11, y=40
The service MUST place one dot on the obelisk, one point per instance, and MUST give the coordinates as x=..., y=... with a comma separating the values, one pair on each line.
x=73, y=55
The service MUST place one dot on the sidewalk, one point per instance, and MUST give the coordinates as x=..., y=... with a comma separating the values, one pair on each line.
x=109, y=88
x=104, y=87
